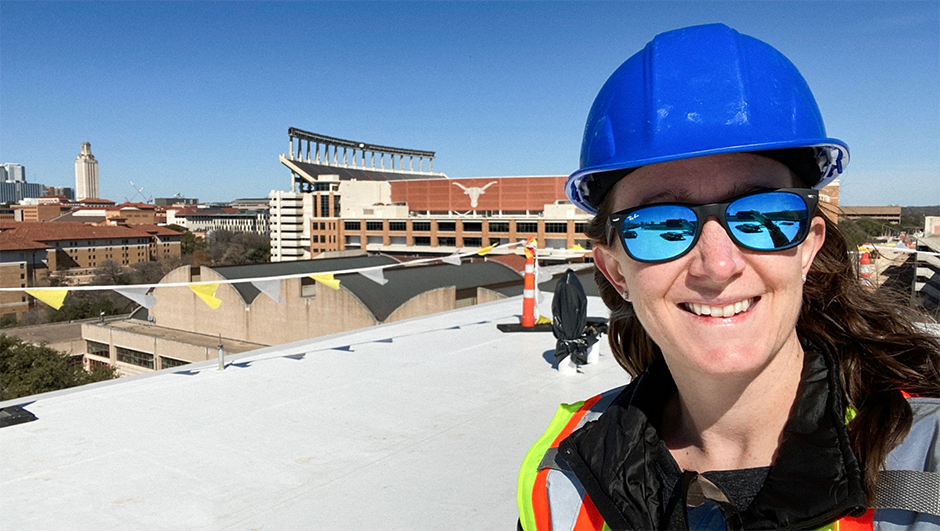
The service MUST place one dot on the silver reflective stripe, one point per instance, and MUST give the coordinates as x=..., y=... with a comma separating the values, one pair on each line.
x=565, y=495
x=600, y=406
x=909, y=490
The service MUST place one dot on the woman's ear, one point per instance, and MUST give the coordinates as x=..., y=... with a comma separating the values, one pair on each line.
x=609, y=265
x=814, y=242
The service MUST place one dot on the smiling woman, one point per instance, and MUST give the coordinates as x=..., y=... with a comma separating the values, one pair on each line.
x=770, y=389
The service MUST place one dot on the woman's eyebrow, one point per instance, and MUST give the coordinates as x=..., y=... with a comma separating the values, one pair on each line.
x=668, y=196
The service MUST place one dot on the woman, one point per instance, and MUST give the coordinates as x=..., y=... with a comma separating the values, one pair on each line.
x=769, y=387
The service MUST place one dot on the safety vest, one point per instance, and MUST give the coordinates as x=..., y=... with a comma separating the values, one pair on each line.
x=550, y=498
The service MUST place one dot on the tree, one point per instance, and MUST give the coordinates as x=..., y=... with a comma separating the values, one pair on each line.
x=111, y=274
x=27, y=369
x=237, y=248
x=187, y=243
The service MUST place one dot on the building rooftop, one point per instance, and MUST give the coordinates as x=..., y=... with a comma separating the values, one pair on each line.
x=38, y=231
x=390, y=427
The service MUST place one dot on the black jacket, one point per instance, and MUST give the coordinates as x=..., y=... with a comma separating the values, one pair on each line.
x=815, y=478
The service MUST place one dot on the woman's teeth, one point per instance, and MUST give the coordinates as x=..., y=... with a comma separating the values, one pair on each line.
x=718, y=311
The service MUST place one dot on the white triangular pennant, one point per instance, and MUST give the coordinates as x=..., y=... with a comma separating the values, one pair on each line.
x=271, y=288
x=375, y=275
x=453, y=259
x=138, y=295
x=542, y=276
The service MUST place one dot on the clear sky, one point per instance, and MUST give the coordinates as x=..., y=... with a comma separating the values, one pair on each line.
x=196, y=97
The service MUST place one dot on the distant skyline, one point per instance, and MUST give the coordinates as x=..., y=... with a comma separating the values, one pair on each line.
x=196, y=97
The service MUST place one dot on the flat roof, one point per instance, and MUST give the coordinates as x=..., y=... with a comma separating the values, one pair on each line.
x=405, y=425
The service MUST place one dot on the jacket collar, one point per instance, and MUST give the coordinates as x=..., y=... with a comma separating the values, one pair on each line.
x=815, y=478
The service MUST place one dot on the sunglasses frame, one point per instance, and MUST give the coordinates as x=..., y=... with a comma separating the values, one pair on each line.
x=702, y=213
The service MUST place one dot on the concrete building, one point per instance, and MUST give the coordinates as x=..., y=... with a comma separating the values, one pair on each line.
x=247, y=317
x=206, y=220
x=927, y=268
x=175, y=200
x=86, y=174
x=890, y=214
x=290, y=227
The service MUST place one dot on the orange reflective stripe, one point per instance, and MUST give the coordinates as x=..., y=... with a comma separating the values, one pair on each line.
x=865, y=522
x=543, y=515
x=589, y=519
x=575, y=419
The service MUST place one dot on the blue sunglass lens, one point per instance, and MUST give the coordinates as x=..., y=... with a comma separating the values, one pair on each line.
x=768, y=221
x=659, y=232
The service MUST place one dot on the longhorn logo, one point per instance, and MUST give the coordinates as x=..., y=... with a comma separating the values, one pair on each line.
x=475, y=192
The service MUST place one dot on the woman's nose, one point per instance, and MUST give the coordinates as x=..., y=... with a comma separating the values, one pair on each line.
x=715, y=256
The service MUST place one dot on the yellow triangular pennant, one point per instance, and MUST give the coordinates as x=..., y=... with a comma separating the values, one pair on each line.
x=576, y=247
x=52, y=297
x=326, y=280
x=206, y=292
x=543, y=320
x=486, y=250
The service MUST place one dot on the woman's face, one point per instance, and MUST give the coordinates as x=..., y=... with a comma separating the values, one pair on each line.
x=762, y=291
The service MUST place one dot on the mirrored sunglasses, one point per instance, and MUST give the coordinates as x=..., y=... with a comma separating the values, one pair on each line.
x=771, y=220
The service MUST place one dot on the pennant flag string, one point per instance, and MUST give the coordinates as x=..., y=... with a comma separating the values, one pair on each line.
x=904, y=250
x=451, y=259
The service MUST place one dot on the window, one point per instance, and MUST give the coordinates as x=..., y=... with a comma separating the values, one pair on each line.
x=135, y=357
x=308, y=287
x=322, y=226
x=472, y=226
x=579, y=227
x=397, y=225
x=98, y=349
x=421, y=226
x=447, y=241
x=527, y=226
x=446, y=226
x=324, y=206
x=556, y=228
x=166, y=363
x=373, y=225
x=423, y=240
x=351, y=225
x=499, y=226
x=473, y=242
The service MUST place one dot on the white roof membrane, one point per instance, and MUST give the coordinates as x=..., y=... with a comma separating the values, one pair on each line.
x=410, y=425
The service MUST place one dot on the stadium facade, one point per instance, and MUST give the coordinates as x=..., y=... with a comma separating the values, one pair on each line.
x=348, y=195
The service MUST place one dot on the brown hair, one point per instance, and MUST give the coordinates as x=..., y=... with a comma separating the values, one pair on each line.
x=880, y=349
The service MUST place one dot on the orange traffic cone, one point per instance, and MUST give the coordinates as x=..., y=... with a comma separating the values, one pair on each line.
x=528, y=294
x=864, y=269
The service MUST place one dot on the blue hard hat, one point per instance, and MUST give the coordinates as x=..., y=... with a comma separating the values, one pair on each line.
x=699, y=91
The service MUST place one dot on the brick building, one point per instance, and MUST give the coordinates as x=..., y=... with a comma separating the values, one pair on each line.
x=73, y=250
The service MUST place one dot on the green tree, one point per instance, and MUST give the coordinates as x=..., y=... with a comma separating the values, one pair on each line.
x=8, y=320
x=27, y=369
x=187, y=243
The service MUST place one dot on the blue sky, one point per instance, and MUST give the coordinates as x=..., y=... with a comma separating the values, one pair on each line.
x=196, y=97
